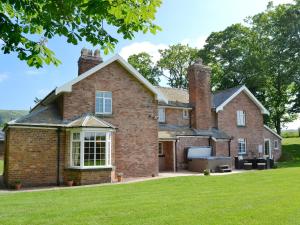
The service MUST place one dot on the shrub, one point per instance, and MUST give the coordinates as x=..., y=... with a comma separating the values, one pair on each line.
x=206, y=172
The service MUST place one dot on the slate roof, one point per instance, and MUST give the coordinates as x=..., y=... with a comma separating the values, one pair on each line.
x=49, y=116
x=221, y=96
x=167, y=131
x=180, y=97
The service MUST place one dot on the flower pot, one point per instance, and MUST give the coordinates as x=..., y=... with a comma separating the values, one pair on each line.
x=120, y=178
x=70, y=183
x=18, y=186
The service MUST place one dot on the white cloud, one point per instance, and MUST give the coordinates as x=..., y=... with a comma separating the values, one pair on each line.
x=139, y=47
x=152, y=49
x=3, y=76
x=277, y=2
x=198, y=42
x=34, y=72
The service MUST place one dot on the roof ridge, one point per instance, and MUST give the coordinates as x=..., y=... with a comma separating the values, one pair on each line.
x=183, y=89
x=235, y=87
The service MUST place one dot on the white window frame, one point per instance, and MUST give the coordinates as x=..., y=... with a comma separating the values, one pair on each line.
x=185, y=113
x=276, y=144
x=107, y=148
x=160, y=149
x=161, y=116
x=270, y=153
x=103, y=102
x=241, y=118
x=244, y=141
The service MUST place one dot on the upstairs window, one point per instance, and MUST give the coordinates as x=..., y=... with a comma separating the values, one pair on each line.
x=161, y=115
x=103, y=102
x=242, y=146
x=241, y=118
x=185, y=113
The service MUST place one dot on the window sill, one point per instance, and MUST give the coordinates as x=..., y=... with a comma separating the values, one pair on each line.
x=104, y=115
x=241, y=126
x=106, y=168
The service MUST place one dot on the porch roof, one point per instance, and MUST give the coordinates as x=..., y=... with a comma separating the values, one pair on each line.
x=90, y=121
x=167, y=131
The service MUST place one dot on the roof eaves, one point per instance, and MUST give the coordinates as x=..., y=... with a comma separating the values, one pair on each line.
x=67, y=87
x=250, y=95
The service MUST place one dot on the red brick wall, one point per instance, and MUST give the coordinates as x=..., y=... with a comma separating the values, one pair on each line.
x=136, y=142
x=175, y=117
x=252, y=132
x=220, y=148
x=200, y=96
x=185, y=142
x=31, y=156
x=275, y=152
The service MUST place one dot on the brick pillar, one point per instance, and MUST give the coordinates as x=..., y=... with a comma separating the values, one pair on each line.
x=88, y=60
x=200, y=95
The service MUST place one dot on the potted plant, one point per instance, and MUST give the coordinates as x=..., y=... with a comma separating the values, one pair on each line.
x=18, y=184
x=120, y=177
x=70, y=182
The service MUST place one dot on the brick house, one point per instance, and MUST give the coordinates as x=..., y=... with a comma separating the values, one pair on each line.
x=110, y=119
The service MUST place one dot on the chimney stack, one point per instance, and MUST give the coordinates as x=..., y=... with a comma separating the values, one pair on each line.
x=200, y=95
x=88, y=60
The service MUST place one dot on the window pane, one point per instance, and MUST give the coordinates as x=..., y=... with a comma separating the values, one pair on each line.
x=107, y=94
x=76, y=136
x=107, y=102
x=99, y=94
x=76, y=153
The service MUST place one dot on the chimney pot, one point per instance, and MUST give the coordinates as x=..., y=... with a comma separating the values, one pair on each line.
x=88, y=60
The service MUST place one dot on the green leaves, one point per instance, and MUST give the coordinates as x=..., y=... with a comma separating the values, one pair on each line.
x=264, y=55
x=143, y=63
x=23, y=23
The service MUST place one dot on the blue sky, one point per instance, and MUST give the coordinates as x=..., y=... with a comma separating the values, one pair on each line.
x=189, y=22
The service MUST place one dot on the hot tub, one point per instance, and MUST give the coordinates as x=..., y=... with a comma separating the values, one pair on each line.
x=200, y=159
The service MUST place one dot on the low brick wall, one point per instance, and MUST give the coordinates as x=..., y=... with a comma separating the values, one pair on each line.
x=88, y=176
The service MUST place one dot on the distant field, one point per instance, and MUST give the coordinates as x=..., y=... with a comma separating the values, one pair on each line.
x=8, y=115
x=290, y=133
x=290, y=153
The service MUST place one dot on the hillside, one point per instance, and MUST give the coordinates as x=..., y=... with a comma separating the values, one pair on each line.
x=8, y=115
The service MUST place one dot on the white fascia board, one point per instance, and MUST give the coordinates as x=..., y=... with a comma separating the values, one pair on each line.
x=250, y=95
x=67, y=87
x=273, y=132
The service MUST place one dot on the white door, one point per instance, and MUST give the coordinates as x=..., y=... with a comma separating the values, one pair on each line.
x=267, y=148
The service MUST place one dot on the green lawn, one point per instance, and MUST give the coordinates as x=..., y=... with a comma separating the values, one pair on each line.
x=253, y=198
x=290, y=153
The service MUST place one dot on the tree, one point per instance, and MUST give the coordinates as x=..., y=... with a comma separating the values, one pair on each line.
x=144, y=64
x=174, y=62
x=26, y=26
x=264, y=55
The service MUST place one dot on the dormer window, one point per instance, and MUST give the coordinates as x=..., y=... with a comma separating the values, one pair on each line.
x=241, y=118
x=161, y=115
x=103, y=102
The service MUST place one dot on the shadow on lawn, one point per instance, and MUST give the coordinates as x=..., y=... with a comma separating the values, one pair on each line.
x=290, y=155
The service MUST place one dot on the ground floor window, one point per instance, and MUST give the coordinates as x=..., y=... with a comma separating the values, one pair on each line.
x=160, y=149
x=90, y=149
x=267, y=147
x=276, y=144
x=242, y=146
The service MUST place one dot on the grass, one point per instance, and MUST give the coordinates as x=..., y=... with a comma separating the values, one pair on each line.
x=262, y=197
x=290, y=133
x=290, y=153
x=254, y=198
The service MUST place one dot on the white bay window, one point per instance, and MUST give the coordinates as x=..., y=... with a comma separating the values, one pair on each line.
x=90, y=149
